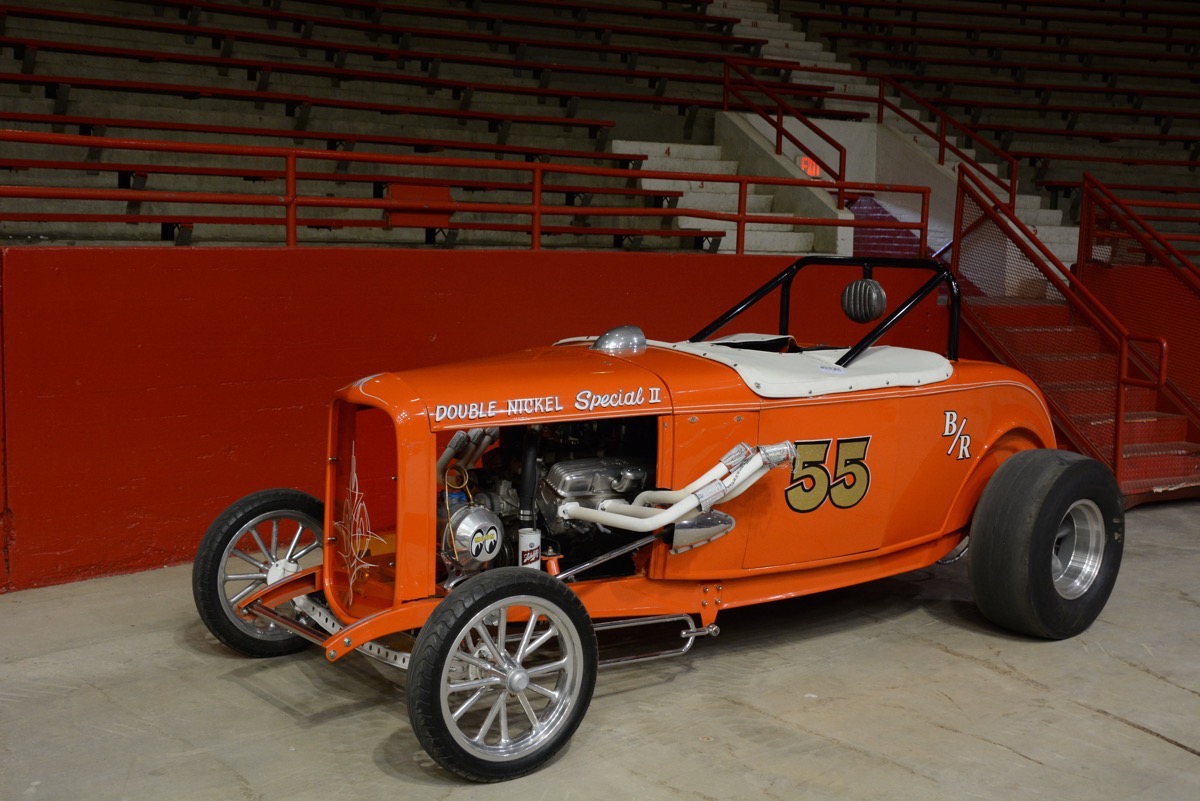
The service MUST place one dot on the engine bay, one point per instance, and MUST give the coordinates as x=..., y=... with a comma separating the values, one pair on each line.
x=501, y=490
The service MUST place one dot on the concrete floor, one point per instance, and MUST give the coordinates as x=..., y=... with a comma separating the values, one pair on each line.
x=112, y=689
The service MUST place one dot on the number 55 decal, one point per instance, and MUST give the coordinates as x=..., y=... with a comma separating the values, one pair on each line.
x=845, y=483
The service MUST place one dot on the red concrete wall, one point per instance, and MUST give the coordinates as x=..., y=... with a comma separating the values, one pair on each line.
x=144, y=389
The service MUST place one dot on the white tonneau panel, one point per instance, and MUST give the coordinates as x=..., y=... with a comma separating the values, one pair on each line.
x=815, y=372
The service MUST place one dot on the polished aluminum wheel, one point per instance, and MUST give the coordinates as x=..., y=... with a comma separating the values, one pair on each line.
x=259, y=540
x=513, y=678
x=1078, y=549
x=266, y=549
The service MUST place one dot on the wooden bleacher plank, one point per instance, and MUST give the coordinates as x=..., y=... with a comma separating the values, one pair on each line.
x=1109, y=74
x=293, y=103
x=260, y=69
x=660, y=198
x=375, y=27
x=1028, y=13
x=976, y=25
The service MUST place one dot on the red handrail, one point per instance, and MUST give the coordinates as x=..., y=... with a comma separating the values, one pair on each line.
x=1154, y=242
x=783, y=110
x=776, y=118
x=945, y=122
x=1082, y=301
x=291, y=200
x=1099, y=199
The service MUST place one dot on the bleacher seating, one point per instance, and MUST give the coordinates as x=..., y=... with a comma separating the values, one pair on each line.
x=1065, y=87
x=545, y=87
x=340, y=91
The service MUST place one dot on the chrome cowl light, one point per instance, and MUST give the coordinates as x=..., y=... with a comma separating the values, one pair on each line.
x=625, y=339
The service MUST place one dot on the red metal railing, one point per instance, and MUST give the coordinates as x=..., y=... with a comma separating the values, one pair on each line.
x=778, y=117
x=1171, y=228
x=945, y=127
x=1020, y=299
x=288, y=204
x=1144, y=279
x=778, y=111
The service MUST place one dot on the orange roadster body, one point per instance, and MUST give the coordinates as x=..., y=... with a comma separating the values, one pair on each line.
x=484, y=520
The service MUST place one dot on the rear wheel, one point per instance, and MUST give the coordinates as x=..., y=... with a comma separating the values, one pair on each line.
x=259, y=540
x=502, y=674
x=1046, y=543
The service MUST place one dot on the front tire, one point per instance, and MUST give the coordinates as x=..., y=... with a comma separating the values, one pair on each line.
x=258, y=540
x=491, y=696
x=1046, y=543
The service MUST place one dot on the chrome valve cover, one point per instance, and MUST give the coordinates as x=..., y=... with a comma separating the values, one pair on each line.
x=588, y=482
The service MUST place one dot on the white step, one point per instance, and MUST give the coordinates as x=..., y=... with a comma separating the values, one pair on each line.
x=836, y=81
x=666, y=149
x=727, y=225
x=752, y=9
x=857, y=106
x=1026, y=202
x=804, y=52
x=764, y=241
x=715, y=196
x=676, y=185
x=1030, y=212
x=772, y=28
x=1040, y=218
x=717, y=201
x=1054, y=235
x=678, y=164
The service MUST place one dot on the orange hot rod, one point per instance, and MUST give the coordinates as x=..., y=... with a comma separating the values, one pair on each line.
x=484, y=520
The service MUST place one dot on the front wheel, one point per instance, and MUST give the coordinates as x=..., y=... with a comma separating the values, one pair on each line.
x=502, y=674
x=1046, y=543
x=259, y=540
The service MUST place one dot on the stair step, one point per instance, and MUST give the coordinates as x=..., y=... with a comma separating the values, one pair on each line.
x=1081, y=397
x=694, y=165
x=728, y=225
x=741, y=10
x=679, y=185
x=1148, y=486
x=760, y=28
x=1071, y=366
x=666, y=149
x=1035, y=338
x=1046, y=218
x=713, y=201
x=1187, y=451
x=804, y=52
x=1021, y=312
x=1141, y=428
x=759, y=242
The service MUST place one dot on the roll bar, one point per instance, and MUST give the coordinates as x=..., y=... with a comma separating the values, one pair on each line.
x=783, y=282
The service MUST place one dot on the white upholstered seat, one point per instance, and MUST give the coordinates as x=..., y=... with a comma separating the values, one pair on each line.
x=815, y=372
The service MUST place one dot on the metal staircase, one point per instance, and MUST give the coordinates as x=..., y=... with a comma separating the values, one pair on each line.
x=1108, y=388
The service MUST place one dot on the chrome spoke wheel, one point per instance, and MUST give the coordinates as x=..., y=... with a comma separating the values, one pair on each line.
x=501, y=674
x=1078, y=549
x=274, y=545
x=509, y=687
x=258, y=541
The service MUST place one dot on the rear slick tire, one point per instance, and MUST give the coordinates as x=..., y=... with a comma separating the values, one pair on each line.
x=1046, y=543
